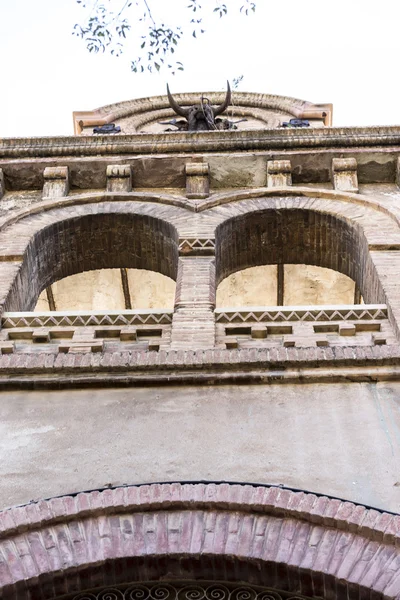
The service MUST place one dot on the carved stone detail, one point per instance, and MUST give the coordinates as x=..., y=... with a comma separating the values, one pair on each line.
x=279, y=173
x=197, y=180
x=56, y=182
x=345, y=174
x=119, y=178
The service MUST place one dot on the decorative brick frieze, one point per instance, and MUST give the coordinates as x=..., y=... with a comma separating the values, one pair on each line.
x=119, y=178
x=196, y=247
x=90, y=319
x=197, y=180
x=2, y=184
x=279, y=173
x=83, y=341
x=205, y=530
x=303, y=334
x=85, y=333
x=303, y=313
x=56, y=182
x=344, y=171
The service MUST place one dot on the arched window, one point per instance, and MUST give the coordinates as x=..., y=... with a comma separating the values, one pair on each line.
x=270, y=263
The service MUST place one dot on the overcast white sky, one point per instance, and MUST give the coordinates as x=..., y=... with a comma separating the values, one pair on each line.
x=342, y=51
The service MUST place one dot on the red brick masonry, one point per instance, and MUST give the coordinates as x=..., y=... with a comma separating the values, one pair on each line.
x=292, y=541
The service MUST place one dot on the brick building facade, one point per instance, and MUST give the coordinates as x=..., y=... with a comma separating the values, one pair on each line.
x=201, y=450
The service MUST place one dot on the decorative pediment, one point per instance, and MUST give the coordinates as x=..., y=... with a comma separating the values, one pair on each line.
x=246, y=111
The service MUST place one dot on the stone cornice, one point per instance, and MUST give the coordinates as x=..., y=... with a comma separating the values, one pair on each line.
x=215, y=141
x=201, y=367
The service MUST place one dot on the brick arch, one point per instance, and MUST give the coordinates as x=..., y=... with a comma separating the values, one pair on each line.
x=106, y=239
x=292, y=541
x=289, y=234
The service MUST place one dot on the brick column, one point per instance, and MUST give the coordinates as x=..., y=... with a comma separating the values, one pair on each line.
x=193, y=323
x=387, y=265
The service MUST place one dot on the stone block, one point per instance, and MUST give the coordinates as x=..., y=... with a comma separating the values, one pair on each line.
x=289, y=341
x=344, y=171
x=378, y=339
x=128, y=334
x=259, y=331
x=279, y=173
x=347, y=329
x=231, y=343
x=81, y=346
x=2, y=186
x=119, y=178
x=197, y=180
x=40, y=335
x=7, y=347
x=56, y=182
x=321, y=340
x=154, y=346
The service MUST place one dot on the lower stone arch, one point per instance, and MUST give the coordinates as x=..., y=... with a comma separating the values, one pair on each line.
x=291, y=541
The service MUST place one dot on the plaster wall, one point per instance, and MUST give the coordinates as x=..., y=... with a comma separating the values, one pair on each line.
x=256, y=286
x=337, y=439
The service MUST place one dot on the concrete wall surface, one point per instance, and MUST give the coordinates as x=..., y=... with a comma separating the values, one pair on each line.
x=337, y=439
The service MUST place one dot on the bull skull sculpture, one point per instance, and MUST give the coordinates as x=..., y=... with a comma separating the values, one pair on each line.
x=200, y=117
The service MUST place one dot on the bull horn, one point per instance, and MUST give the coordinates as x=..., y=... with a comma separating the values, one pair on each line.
x=220, y=109
x=183, y=112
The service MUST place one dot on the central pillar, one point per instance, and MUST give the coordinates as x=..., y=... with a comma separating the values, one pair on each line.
x=193, y=323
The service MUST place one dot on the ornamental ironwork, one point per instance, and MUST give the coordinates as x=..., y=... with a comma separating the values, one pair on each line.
x=186, y=590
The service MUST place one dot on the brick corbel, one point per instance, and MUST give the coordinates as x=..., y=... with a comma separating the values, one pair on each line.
x=344, y=171
x=197, y=180
x=56, y=182
x=119, y=178
x=279, y=173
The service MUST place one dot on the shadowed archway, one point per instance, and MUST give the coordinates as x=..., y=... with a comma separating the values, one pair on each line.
x=105, y=240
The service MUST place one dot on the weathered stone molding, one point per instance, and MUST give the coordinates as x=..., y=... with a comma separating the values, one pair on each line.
x=56, y=182
x=211, y=142
x=344, y=172
x=260, y=534
x=279, y=173
x=201, y=367
x=119, y=178
x=197, y=180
